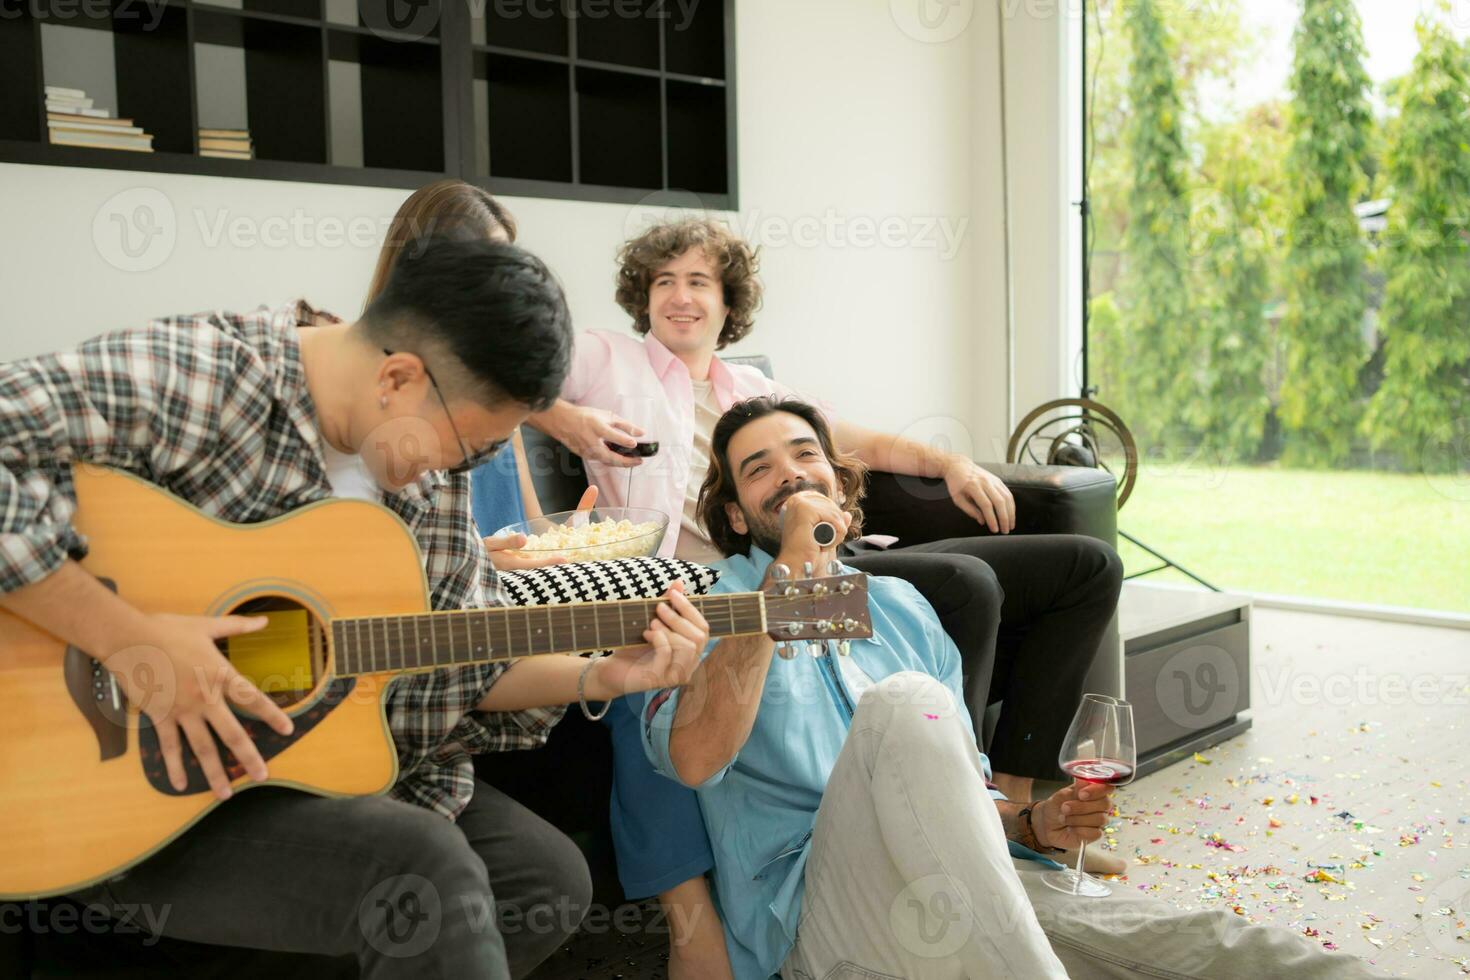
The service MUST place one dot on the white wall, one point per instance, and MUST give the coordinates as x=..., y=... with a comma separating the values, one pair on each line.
x=869, y=172
x=1038, y=80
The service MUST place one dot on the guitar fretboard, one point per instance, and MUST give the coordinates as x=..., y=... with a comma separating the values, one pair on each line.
x=376, y=644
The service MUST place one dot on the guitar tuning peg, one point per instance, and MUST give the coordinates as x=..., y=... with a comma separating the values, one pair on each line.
x=786, y=650
x=834, y=567
x=844, y=647
x=780, y=572
x=814, y=648
x=807, y=570
x=849, y=625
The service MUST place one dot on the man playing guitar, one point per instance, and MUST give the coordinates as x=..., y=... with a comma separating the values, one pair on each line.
x=247, y=418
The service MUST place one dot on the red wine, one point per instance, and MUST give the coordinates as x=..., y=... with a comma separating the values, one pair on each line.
x=1099, y=770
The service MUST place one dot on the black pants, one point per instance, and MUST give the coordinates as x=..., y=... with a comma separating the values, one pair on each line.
x=401, y=890
x=1027, y=613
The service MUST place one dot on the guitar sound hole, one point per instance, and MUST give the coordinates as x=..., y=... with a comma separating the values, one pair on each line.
x=287, y=658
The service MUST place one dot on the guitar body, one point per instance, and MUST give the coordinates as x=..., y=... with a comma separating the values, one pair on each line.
x=80, y=793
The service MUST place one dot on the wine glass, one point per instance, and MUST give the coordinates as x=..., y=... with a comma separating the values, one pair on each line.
x=637, y=409
x=1099, y=748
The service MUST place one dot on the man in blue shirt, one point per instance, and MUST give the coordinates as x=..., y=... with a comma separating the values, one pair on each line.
x=854, y=827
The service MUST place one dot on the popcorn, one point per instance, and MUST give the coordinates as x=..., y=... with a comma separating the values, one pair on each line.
x=594, y=541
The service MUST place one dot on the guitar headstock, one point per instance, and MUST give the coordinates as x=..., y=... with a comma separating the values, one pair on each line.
x=816, y=609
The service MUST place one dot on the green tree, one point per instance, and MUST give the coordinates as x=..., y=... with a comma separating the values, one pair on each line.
x=1234, y=225
x=1426, y=308
x=1155, y=291
x=1108, y=358
x=1207, y=46
x=1329, y=124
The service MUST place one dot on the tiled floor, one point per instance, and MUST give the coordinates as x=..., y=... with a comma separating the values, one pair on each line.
x=1344, y=813
x=1360, y=744
x=612, y=954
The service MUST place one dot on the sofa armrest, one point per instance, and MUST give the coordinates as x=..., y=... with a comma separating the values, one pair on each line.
x=1049, y=500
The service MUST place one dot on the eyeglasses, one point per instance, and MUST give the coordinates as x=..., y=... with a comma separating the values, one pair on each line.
x=468, y=460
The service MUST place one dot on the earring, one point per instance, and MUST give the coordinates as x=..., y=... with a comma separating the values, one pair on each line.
x=383, y=402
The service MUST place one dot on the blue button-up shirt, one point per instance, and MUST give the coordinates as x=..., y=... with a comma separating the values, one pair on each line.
x=761, y=807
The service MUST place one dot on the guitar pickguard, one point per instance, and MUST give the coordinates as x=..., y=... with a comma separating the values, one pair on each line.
x=266, y=739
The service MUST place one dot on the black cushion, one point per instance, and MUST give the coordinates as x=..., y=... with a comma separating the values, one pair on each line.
x=1049, y=500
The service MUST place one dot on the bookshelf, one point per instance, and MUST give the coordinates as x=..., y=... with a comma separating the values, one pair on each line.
x=598, y=100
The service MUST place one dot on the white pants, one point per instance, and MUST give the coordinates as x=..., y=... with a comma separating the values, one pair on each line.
x=909, y=877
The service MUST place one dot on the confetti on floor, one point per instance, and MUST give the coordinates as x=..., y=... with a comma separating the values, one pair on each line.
x=1343, y=819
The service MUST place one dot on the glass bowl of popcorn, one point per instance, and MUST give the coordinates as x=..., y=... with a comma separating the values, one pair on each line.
x=599, y=534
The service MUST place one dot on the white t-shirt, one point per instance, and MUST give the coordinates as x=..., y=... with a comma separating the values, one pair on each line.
x=348, y=476
x=694, y=545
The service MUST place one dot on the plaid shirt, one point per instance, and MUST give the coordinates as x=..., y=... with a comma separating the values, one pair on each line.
x=214, y=408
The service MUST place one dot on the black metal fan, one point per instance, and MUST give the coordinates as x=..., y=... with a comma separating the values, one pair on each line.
x=1082, y=432
x=1077, y=432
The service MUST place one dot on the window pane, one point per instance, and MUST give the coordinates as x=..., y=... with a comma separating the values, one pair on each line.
x=1280, y=289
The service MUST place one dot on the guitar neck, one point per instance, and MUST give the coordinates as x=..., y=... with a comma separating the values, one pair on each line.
x=377, y=644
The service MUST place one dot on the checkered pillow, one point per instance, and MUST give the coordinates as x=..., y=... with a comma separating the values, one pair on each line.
x=622, y=578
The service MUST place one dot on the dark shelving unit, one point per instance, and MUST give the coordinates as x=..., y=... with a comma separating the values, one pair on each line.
x=22, y=115
x=697, y=149
x=583, y=99
x=626, y=34
x=530, y=116
x=402, y=120
x=304, y=9
x=696, y=46
x=543, y=28
x=285, y=82
x=153, y=75
x=618, y=129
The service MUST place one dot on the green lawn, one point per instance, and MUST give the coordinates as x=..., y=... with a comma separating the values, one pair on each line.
x=1381, y=538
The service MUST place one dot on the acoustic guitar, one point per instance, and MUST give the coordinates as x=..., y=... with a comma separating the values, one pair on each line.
x=83, y=790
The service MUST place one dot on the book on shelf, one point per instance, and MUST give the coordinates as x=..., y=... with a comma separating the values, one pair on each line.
x=72, y=117
x=91, y=126
x=72, y=121
x=107, y=141
x=79, y=110
x=225, y=143
x=74, y=103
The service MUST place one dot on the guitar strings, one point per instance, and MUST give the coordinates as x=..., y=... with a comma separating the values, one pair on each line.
x=546, y=620
x=565, y=611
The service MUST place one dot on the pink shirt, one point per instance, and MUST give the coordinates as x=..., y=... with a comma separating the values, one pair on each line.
x=645, y=383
